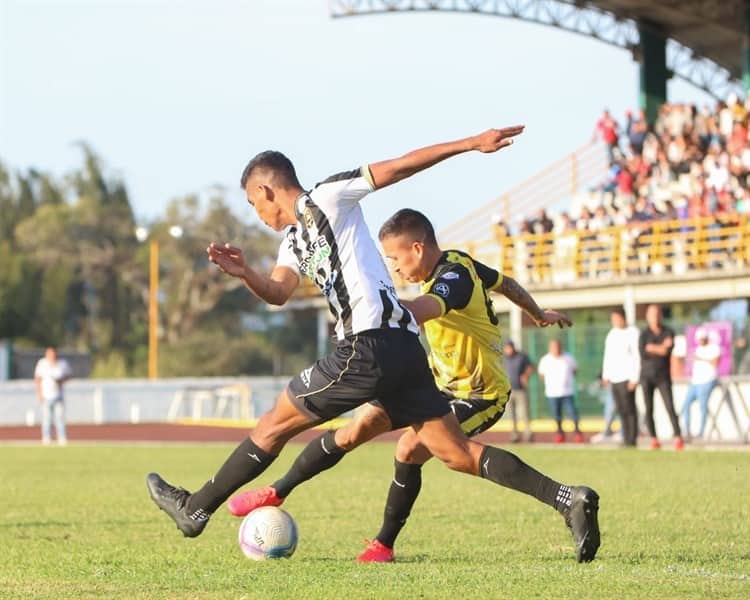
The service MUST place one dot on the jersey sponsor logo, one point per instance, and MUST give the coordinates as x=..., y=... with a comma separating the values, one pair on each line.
x=442, y=289
x=305, y=376
x=317, y=252
x=449, y=275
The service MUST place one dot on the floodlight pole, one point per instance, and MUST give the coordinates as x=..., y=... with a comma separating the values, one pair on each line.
x=153, y=310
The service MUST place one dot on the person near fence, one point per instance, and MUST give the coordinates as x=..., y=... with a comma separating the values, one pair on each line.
x=655, y=345
x=621, y=370
x=558, y=369
x=519, y=368
x=703, y=379
x=50, y=375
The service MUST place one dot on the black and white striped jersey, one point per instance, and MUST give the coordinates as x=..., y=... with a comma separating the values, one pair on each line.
x=332, y=245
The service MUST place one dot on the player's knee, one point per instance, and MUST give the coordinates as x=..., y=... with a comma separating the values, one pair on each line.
x=271, y=435
x=349, y=438
x=405, y=454
x=458, y=458
x=365, y=427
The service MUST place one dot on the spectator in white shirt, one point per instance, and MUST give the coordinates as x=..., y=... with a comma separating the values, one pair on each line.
x=50, y=375
x=704, y=378
x=558, y=370
x=621, y=369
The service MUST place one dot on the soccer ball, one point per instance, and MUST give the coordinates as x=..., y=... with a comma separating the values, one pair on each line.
x=268, y=532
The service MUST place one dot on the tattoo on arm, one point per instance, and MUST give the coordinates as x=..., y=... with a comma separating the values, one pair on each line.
x=515, y=292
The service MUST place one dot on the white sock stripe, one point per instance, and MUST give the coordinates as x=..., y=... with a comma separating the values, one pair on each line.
x=563, y=495
x=200, y=515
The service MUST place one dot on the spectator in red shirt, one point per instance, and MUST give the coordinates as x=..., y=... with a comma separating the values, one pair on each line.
x=625, y=182
x=608, y=129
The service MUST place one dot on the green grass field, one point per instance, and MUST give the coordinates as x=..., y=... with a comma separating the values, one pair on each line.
x=77, y=522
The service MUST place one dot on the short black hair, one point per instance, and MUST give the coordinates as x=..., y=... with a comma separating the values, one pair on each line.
x=618, y=310
x=279, y=166
x=408, y=220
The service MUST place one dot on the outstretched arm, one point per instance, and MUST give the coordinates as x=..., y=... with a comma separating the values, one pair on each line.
x=388, y=172
x=274, y=289
x=515, y=292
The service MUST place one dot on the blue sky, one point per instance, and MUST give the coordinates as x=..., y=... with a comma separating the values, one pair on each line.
x=177, y=96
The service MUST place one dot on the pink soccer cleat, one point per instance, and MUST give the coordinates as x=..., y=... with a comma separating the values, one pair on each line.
x=376, y=553
x=245, y=502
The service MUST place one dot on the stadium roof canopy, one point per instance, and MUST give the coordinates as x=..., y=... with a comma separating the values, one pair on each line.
x=704, y=37
x=711, y=28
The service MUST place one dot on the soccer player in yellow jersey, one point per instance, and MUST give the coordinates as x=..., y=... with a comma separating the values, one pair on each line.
x=467, y=362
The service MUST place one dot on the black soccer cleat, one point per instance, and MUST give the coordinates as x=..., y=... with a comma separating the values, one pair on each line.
x=173, y=501
x=582, y=520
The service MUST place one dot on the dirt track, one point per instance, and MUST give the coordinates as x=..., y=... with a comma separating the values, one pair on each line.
x=168, y=432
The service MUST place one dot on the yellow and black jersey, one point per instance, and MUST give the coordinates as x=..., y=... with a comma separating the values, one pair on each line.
x=465, y=341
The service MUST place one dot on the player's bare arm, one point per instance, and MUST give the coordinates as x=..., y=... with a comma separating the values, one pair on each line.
x=389, y=172
x=516, y=293
x=275, y=288
x=424, y=308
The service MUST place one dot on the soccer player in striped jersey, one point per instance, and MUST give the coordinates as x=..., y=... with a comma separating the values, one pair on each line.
x=466, y=358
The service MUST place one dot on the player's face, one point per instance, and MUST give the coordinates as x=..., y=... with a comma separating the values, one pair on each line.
x=406, y=256
x=261, y=197
x=617, y=320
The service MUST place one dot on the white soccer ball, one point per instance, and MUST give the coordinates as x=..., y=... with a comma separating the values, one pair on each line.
x=268, y=532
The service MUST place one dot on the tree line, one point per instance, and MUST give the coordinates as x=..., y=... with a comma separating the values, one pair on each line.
x=73, y=274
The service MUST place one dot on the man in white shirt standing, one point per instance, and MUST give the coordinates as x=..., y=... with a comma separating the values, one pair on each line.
x=621, y=369
x=558, y=370
x=704, y=378
x=50, y=375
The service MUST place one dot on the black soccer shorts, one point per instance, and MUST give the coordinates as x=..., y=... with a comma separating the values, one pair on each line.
x=386, y=366
x=476, y=416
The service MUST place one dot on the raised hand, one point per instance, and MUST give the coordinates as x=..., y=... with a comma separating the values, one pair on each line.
x=228, y=258
x=552, y=317
x=493, y=140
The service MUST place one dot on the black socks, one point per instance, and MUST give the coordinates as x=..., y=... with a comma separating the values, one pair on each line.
x=510, y=471
x=243, y=465
x=407, y=481
x=320, y=454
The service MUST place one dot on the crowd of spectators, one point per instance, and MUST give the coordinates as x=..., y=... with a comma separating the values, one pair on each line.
x=689, y=163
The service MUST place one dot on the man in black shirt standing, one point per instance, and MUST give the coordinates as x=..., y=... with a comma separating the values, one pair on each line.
x=519, y=368
x=655, y=344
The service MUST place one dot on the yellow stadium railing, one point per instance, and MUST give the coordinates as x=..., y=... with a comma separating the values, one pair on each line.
x=636, y=249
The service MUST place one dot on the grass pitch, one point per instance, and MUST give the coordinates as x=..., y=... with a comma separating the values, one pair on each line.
x=77, y=522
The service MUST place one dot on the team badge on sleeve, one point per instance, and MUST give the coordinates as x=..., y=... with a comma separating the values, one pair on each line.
x=442, y=289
